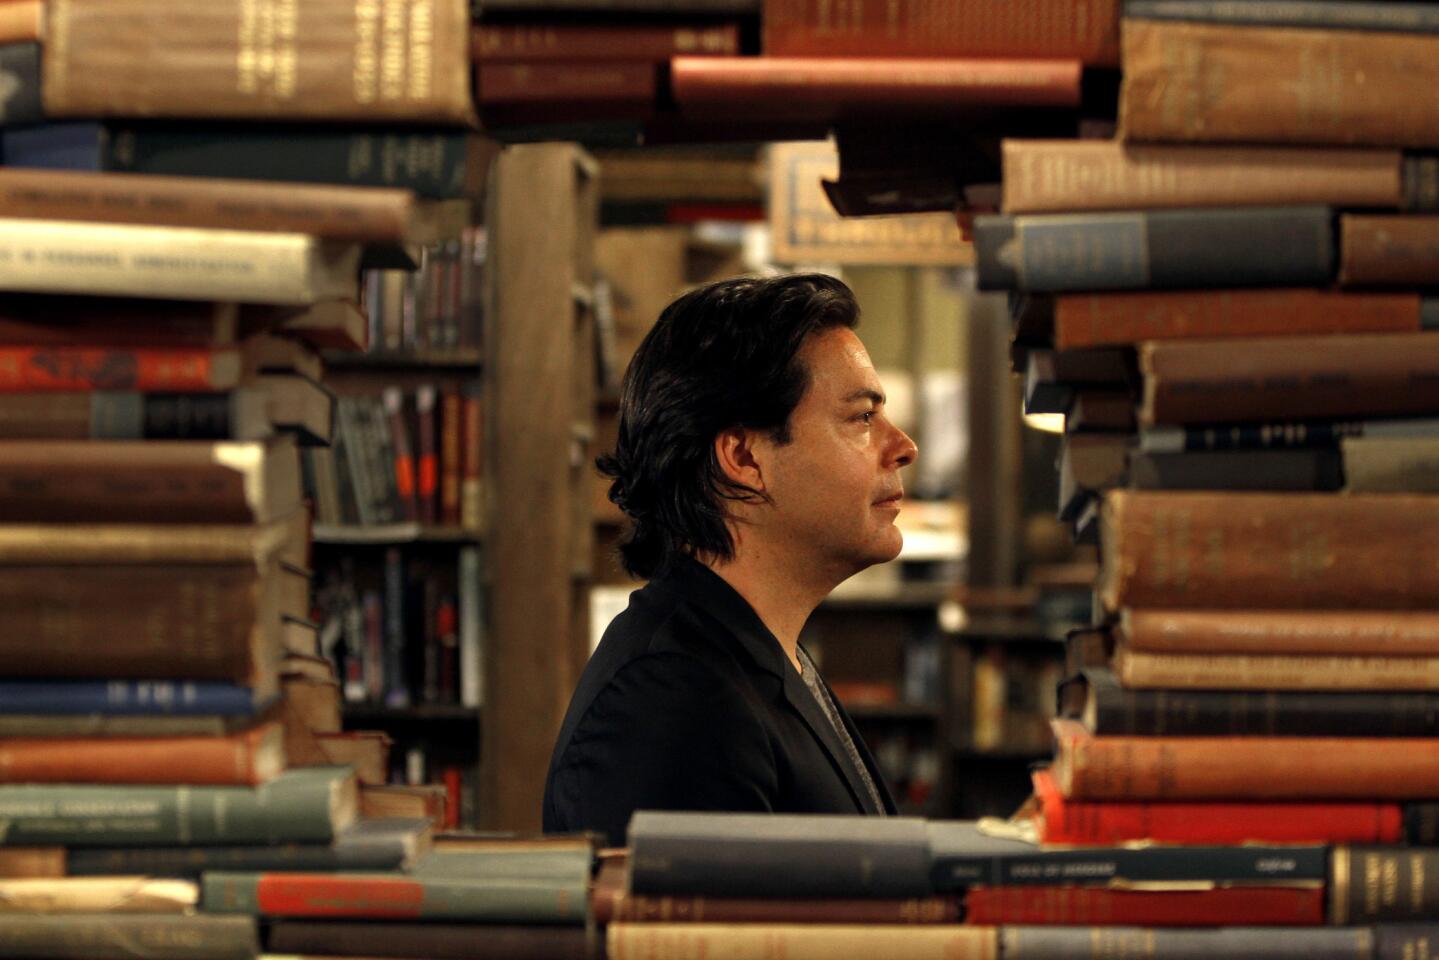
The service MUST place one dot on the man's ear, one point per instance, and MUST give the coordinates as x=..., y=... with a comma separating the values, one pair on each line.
x=735, y=454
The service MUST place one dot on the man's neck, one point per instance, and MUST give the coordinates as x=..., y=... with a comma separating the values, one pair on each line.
x=781, y=594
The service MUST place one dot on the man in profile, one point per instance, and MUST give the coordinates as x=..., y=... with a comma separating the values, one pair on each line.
x=759, y=470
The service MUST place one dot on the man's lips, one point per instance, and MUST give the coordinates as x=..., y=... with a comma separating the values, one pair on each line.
x=893, y=500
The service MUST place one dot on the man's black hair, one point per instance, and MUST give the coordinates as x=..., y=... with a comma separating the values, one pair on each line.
x=721, y=356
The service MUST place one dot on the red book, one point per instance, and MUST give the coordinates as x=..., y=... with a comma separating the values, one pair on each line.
x=250, y=757
x=427, y=470
x=29, y=369
x=1101, y=906
x=405, y=479
x=491, y=43
x=566, y=80
x=812, y=86
x=1080, y=823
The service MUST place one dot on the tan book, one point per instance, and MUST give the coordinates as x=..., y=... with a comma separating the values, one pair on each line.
x=1352, y=633
x=1277, y=85
x=415, y=801
x=129, y=260
x=98, y=895
x=312, y=703
x=1390, y=464
x=1069, y=176
x=21, y=21
x=298, y=404
x=1144, y=670
x=817, y=941
x=1258, y=551
x=401, y=60
x=368, y=751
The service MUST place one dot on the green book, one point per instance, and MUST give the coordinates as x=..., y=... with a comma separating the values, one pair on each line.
x=397, y=896
x=302, y=805
x=119, y=936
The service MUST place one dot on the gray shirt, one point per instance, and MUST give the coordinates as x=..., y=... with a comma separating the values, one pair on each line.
x=826, y=704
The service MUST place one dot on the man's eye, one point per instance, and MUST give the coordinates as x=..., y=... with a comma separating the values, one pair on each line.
x=867, y=417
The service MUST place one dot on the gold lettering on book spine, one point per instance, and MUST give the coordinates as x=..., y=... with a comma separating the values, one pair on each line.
x=266, y=51
x=422, y=48
x=392, y=51
x=367, y=58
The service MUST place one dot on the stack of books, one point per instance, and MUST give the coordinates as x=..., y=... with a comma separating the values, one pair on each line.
x=1229, y=305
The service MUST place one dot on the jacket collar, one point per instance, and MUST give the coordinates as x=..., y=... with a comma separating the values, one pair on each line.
x=709, y=592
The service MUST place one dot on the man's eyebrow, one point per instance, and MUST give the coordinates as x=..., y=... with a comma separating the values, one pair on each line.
x=864, y=393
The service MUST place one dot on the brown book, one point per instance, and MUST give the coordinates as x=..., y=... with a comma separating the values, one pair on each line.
x=797, y=941
x=1090, y=463
x=414, y=801
x=1264, y=632
x=251, y=757
x=44, y=321
x=451, y=465
x=610, y=902
x=564, y=80
x=540, y=41
x=1069, y=176
x=1289, y=378
x=21, y=21
x=1087, y=647
x=368, y=751
x=98, y=895
x=327, y=325
x=1386, y=885
x=1086, y=31
x=1390, y=464
x=814, y=86
x=363, y=214
x=298, y=404
x=405, y=60
x=1087, y=767
x=310, y=706
x=1383, y=251
x=1258, y=551
x=437, y=941
x=37, y=862
x=1146, y=670
x=1277, y=85
x=1100, y=411
x=150, y=481
x=472, y=472
x=1103, y=319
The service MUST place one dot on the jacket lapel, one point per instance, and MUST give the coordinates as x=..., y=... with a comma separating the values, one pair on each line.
x=809, y=710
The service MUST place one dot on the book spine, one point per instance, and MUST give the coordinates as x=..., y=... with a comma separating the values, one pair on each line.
x=1390, y=465
x=1086, y=906
x=472, y=472
x=20, y=22
x=78, y=369
x=1255, y=943
x=20, y=78
x=1237, y=247
x=1383, y=885
x=128, y=937
x=1388, y=251
x=1254, y=768
x=237, y=759
x=698, y=941
x=1281, y=672
x=692, y=866
x=809, y=83
x=427, y=474
x=471, y=629
x=1197, y=713
x=512, y=83
x=639, y=908
x=434, y=164
x=1267, y=632
x=406, y=486
x=936, y=28
x=397, y=681
x=382, y=897
x=185, y=623
x=405, y=61
x=1403, y=941
x=359, y=215
x=1348, y=15
x=451, y=466
x=544, y=42
x=439, y=941
x=191, y=862
x=1249, y=864
x=1266, y=551
x=1092, y=320
x=1060, y=176
x=1275, y=85
x=129, y=260
x=1276, y=434
x=126, y=698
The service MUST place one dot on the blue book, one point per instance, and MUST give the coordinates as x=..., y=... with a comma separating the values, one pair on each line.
x=128, y=698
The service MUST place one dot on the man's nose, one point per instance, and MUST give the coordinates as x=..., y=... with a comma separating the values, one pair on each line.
x=905, y=450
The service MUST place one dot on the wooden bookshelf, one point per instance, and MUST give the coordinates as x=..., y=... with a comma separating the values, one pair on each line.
x=392, y=534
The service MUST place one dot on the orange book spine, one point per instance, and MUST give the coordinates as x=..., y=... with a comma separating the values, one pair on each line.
x=21, y=20
x=1067, y=176
x=1266, y=551
x=1388, y=250
x=789, y=83
x=245, y=758
x=451, y=466
x=1277, y=85
x=78, y=369
x=1103, y=319
x=1087, y=30
x=1338, y=633
x=1087, y=767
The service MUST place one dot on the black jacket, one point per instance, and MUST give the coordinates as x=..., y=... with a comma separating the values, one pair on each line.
x=689, y=703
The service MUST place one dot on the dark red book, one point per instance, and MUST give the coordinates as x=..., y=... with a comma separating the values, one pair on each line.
x=495, y=43
x=1081, y=823
x=451, y=467
x=1101, y=906
x=566, y=80
x=812, y=86
x=427, y=471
